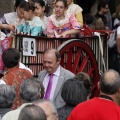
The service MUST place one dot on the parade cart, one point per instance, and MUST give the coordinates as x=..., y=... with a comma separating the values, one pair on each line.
x=86, y=54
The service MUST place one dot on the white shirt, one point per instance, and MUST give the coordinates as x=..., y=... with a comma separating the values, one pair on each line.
x=22, y=66
x=14, y=114
x=116, y=21
x=54, y=83
x=2, y=82
x=118, y=30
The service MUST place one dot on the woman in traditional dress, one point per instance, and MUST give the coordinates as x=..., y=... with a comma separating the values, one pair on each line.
x=62, y=23
x=76, y=10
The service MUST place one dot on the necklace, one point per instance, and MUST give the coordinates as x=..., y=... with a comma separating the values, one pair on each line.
x=106, y=97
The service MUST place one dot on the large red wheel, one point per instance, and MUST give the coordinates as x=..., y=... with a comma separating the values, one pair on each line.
x=77, y=56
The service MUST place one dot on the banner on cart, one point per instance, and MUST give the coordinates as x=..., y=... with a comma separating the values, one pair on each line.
x=29, y=46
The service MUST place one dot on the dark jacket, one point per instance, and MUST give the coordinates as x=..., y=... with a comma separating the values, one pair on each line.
x=64, y=112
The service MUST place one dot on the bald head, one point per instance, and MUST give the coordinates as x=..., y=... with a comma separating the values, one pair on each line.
x=110, y=76
x=53, y=52
x=110, y=82
x=51, y=60
x=49, y=109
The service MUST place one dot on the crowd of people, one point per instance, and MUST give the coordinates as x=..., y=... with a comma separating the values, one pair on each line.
x=66, y=20
x=30, y=19
x=60, y=19
x=57, y=93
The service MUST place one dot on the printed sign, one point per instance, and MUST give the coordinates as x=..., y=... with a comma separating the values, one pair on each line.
x=29, y=47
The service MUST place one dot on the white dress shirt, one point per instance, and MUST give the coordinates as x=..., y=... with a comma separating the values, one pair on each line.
x=56, y=75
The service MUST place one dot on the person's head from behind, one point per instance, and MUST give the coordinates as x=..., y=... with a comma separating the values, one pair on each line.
x=103, y=7
x=32, y=112
x=40, y=7
x=88, y=18
x=110, y=83
x=11, y=57
x=27, y=9
x=51, y=60
x=7, y=96
x=85, y=79
x=98, y=24
x=49, y=108
x=73, y=92
x=60, y=8
x=30, y=90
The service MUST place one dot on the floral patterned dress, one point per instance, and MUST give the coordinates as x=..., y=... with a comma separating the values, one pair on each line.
x=57, y=27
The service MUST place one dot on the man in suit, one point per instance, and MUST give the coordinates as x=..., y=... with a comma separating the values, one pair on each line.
x=51, y=63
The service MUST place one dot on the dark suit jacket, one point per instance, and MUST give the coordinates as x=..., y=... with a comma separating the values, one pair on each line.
x=64, y=75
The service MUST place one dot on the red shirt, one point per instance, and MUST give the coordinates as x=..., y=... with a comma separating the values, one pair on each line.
x=96, y=109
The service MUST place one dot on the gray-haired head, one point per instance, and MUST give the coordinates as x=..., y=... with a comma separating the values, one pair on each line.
x=110, y=82
x=7, y=96
x=30, y=90
x=48, y=107
x=85, y=79
x=32, y=112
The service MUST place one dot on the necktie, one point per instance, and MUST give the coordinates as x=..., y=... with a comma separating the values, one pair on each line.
x=49, y=87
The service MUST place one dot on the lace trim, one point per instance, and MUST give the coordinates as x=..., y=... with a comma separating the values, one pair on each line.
x=11, y=18
x=60, y=23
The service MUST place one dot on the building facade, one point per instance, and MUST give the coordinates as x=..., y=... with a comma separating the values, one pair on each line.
x=6, y=6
